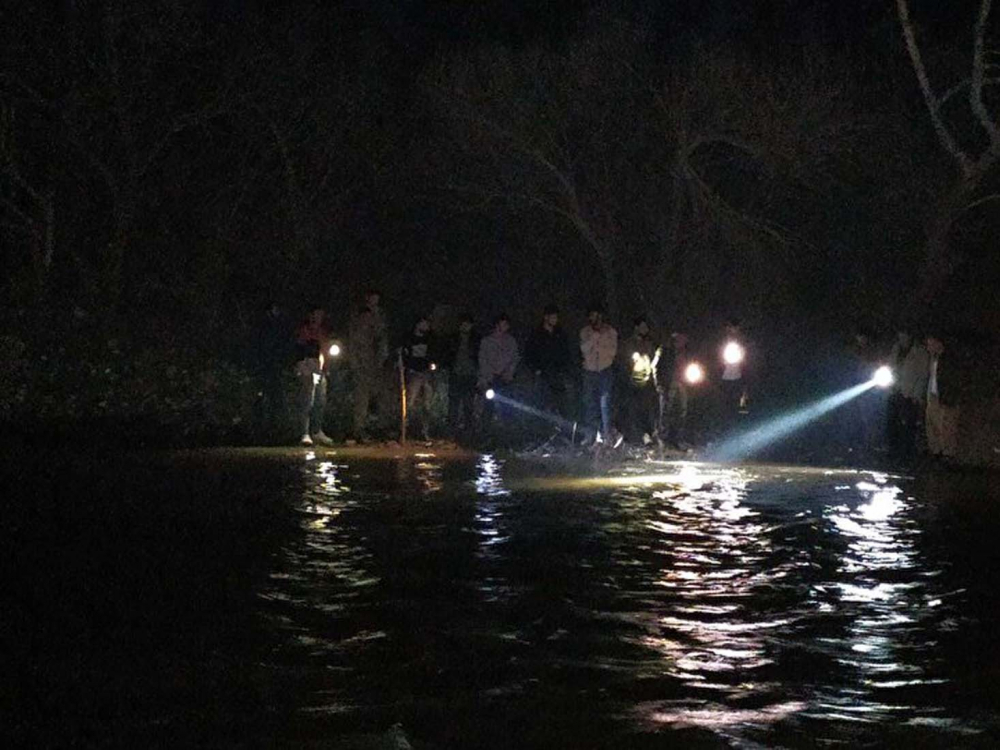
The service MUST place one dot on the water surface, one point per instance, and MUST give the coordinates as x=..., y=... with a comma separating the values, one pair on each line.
x=308, y=599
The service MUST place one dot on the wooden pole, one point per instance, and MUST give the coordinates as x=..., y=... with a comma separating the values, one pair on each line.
x=402, y=398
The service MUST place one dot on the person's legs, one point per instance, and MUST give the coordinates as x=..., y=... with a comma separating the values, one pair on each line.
x=669, y=419
x=605, y=385
x=934, y=437
x=681, y=413
x=730, y=393
x=949, y=431
x=591, y=401
x=425, y=403
x=363, y=386
x=457, y=398
x=306, y=394
x=414, y=395
x=318, y=411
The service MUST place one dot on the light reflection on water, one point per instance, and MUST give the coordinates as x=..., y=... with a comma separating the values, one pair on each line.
x=747, y=602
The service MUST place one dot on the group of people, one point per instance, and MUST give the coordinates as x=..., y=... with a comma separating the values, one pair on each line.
x=634, y=389
x=923, y=407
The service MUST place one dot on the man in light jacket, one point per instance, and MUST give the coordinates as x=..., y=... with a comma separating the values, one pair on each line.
x=599, y=346
x=498, y=358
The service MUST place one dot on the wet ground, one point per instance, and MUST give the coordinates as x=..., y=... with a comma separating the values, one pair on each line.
x=324, y=599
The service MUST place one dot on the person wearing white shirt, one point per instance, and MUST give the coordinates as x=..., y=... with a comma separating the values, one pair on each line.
x=942, y=402
x=599, y=346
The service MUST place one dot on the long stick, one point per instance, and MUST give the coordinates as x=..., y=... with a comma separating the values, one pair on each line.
x=402, y=396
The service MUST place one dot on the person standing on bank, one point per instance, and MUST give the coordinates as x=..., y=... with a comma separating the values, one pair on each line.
x=599, y=346
x=312, y=339
x=498, y=359
x=943, y=400
x=639, y=361
x=735, y=392
x=547, y=356
x=462, y=376
x=418, y=359
x=673, y=387
x=368, y=351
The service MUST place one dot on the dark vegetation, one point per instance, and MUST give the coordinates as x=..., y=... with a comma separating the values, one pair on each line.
x=166, y=170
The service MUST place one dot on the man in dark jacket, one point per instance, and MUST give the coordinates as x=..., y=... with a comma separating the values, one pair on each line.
x=368, y=351
x=462, y=371
x=418, y=359
x=547, y=357
x=673, y=390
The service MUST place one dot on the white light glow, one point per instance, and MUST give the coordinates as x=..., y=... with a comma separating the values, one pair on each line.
x=490, y=394
x=733, y=353
x=883, y=377
x=334, y=350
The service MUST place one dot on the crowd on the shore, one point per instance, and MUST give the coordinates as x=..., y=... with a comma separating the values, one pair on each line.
x=612, y=389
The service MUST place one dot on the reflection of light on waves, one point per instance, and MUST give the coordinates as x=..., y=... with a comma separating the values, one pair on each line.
x=881, y=542
x=715, y=551
x=490, y=488
x=429, y=477
x=318, y=584
x=489, y=485
x=326, y=557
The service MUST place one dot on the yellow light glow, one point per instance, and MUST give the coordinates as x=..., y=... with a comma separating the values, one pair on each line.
x=694, y=373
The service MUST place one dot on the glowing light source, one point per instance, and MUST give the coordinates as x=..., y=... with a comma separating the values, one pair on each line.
x=490, y=394
x=733, y=353
x=636, y=356
x=433, y=366
x=883, y=377
x=694, y=373
x=334, y=350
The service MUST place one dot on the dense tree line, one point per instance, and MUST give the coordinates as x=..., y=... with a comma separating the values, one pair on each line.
x=157, y=158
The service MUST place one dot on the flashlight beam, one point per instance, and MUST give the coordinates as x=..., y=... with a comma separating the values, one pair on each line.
x=755, y=439
x=547, y=416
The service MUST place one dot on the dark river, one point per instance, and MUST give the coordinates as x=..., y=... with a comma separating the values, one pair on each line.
x=286, y=599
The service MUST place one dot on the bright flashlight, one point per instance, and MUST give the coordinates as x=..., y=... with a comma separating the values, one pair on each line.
x=883, y=377
x=694, y=373
x=490, y=394
x=334, y=350
x=433, y=367
x=635, y=356
x=732, y=354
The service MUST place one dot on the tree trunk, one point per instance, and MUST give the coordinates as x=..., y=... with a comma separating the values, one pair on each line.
x=940, y=259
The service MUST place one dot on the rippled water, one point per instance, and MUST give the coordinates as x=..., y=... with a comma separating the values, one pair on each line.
x=476, y=605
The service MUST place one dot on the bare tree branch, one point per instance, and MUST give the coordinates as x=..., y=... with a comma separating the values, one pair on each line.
x=978, y=74
x=933, y=104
